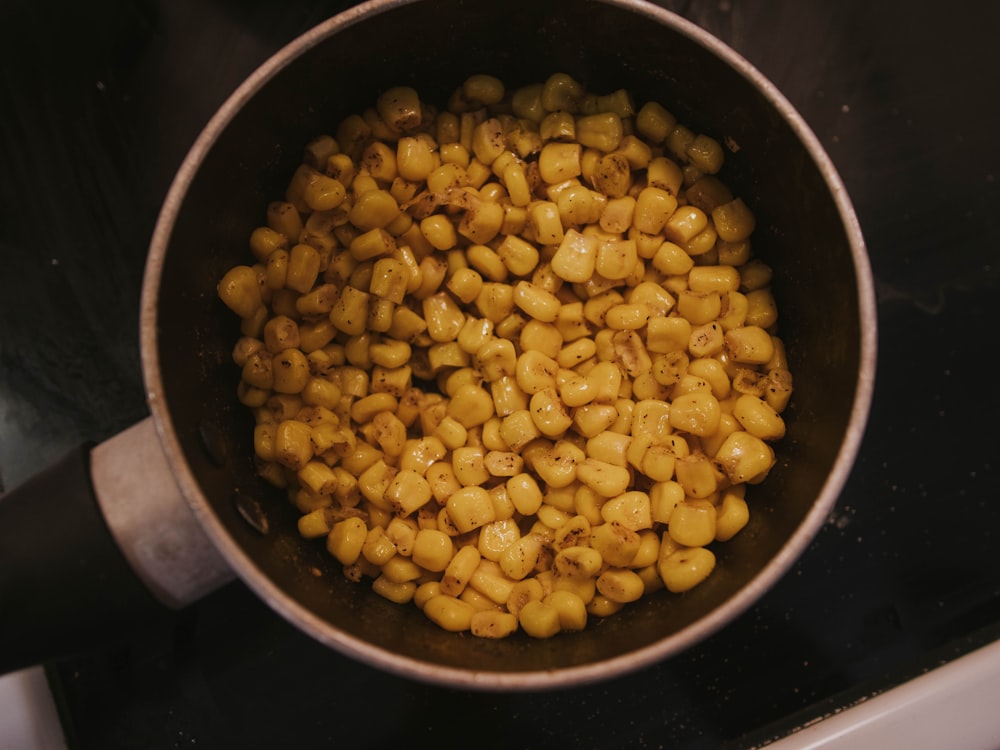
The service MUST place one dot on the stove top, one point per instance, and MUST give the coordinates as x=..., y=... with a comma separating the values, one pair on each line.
x=100, y=103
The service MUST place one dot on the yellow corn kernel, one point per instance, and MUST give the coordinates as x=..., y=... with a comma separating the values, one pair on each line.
x=559, y=92
x=346, y=539
x=546, y=223
x=575, y=353
x=524, y=493
x=470, y=405
x=469, y=463
x=706, y=340
x=647, y=556
x=459, y=571
x=696, y=475
x=538, y=619
x=466, y=284
x=749, y=345
x=507, y=398
x=778, y=389
x=239, y=289
x=444, y=317
x=257, y=371
x=758, y=418
x=672, y=260
x=620, y=585
x=535, y=371
x=576, y=390
x=399, y=569
x=699, y=308
x=375, y=243
x=524, y=591
x=399, y=107
x=470, y=508
x=398, y=593
x=451, y=433
x=575, y=532
x=560, y=501
x=692, y=523
x=378, y=548
x=284, y=218
x=602, y=131
x=360, y=457
x=734, y=221
x=630, y=352
x=293, y=444
x=609, y=447
x=265, y=241
x=616, y=544
x=314, y=524
x=685, y=568
x=496, y=301
x=407, y=492
x=449, y=613
x=664, y=497
x=761, y=308
x=492, y=624
x=432, y=550
x=414, y=158
x=495, y=359
x=684, y=224
x=317, y=477
x=733, y=514
x=745, y=458
x=654, y=122
x=559, y=161
x=630, y=317
x=705, y=153
x=518, y=429
x=419, y=454
x=714, y=279
x=631, y=509
x=399, y=535
x=439, y=232
x=373, y=209
x=350, y=312
x=579, y=205
x=549, y=413
x=653, y=206
x=489, y=580
x=755, y=275
x=556, y=466
x=373, y=483
x=605, y=479
x=611, y=175
x=389, y=433
x=475, y=333
x=697, y=413
x=570, y=608
x=365, y=408
x=503, y=463
x=592, y=419
x=488, y=140
x=616, y=258
x=425, y=592
x=557, y=126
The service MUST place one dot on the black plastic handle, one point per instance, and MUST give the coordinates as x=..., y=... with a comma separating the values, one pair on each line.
x=65, y=586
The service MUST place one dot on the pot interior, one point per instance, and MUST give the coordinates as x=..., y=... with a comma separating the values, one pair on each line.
x=433, y=46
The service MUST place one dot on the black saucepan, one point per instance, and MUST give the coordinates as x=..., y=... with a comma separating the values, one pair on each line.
x=178, y=493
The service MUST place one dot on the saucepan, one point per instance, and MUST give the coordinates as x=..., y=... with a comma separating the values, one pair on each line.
x=172, y=508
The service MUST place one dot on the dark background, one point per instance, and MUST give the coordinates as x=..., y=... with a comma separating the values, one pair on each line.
x=99, y=103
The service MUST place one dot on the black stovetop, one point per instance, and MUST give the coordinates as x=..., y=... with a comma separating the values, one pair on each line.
x=99, y=103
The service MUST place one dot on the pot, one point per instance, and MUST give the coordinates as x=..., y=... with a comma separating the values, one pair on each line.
x=172, y=508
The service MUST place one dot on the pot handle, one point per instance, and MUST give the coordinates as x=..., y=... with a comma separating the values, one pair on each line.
x=97, y=545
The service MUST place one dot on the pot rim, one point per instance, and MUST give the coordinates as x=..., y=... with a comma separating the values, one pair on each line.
x=427, y=672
